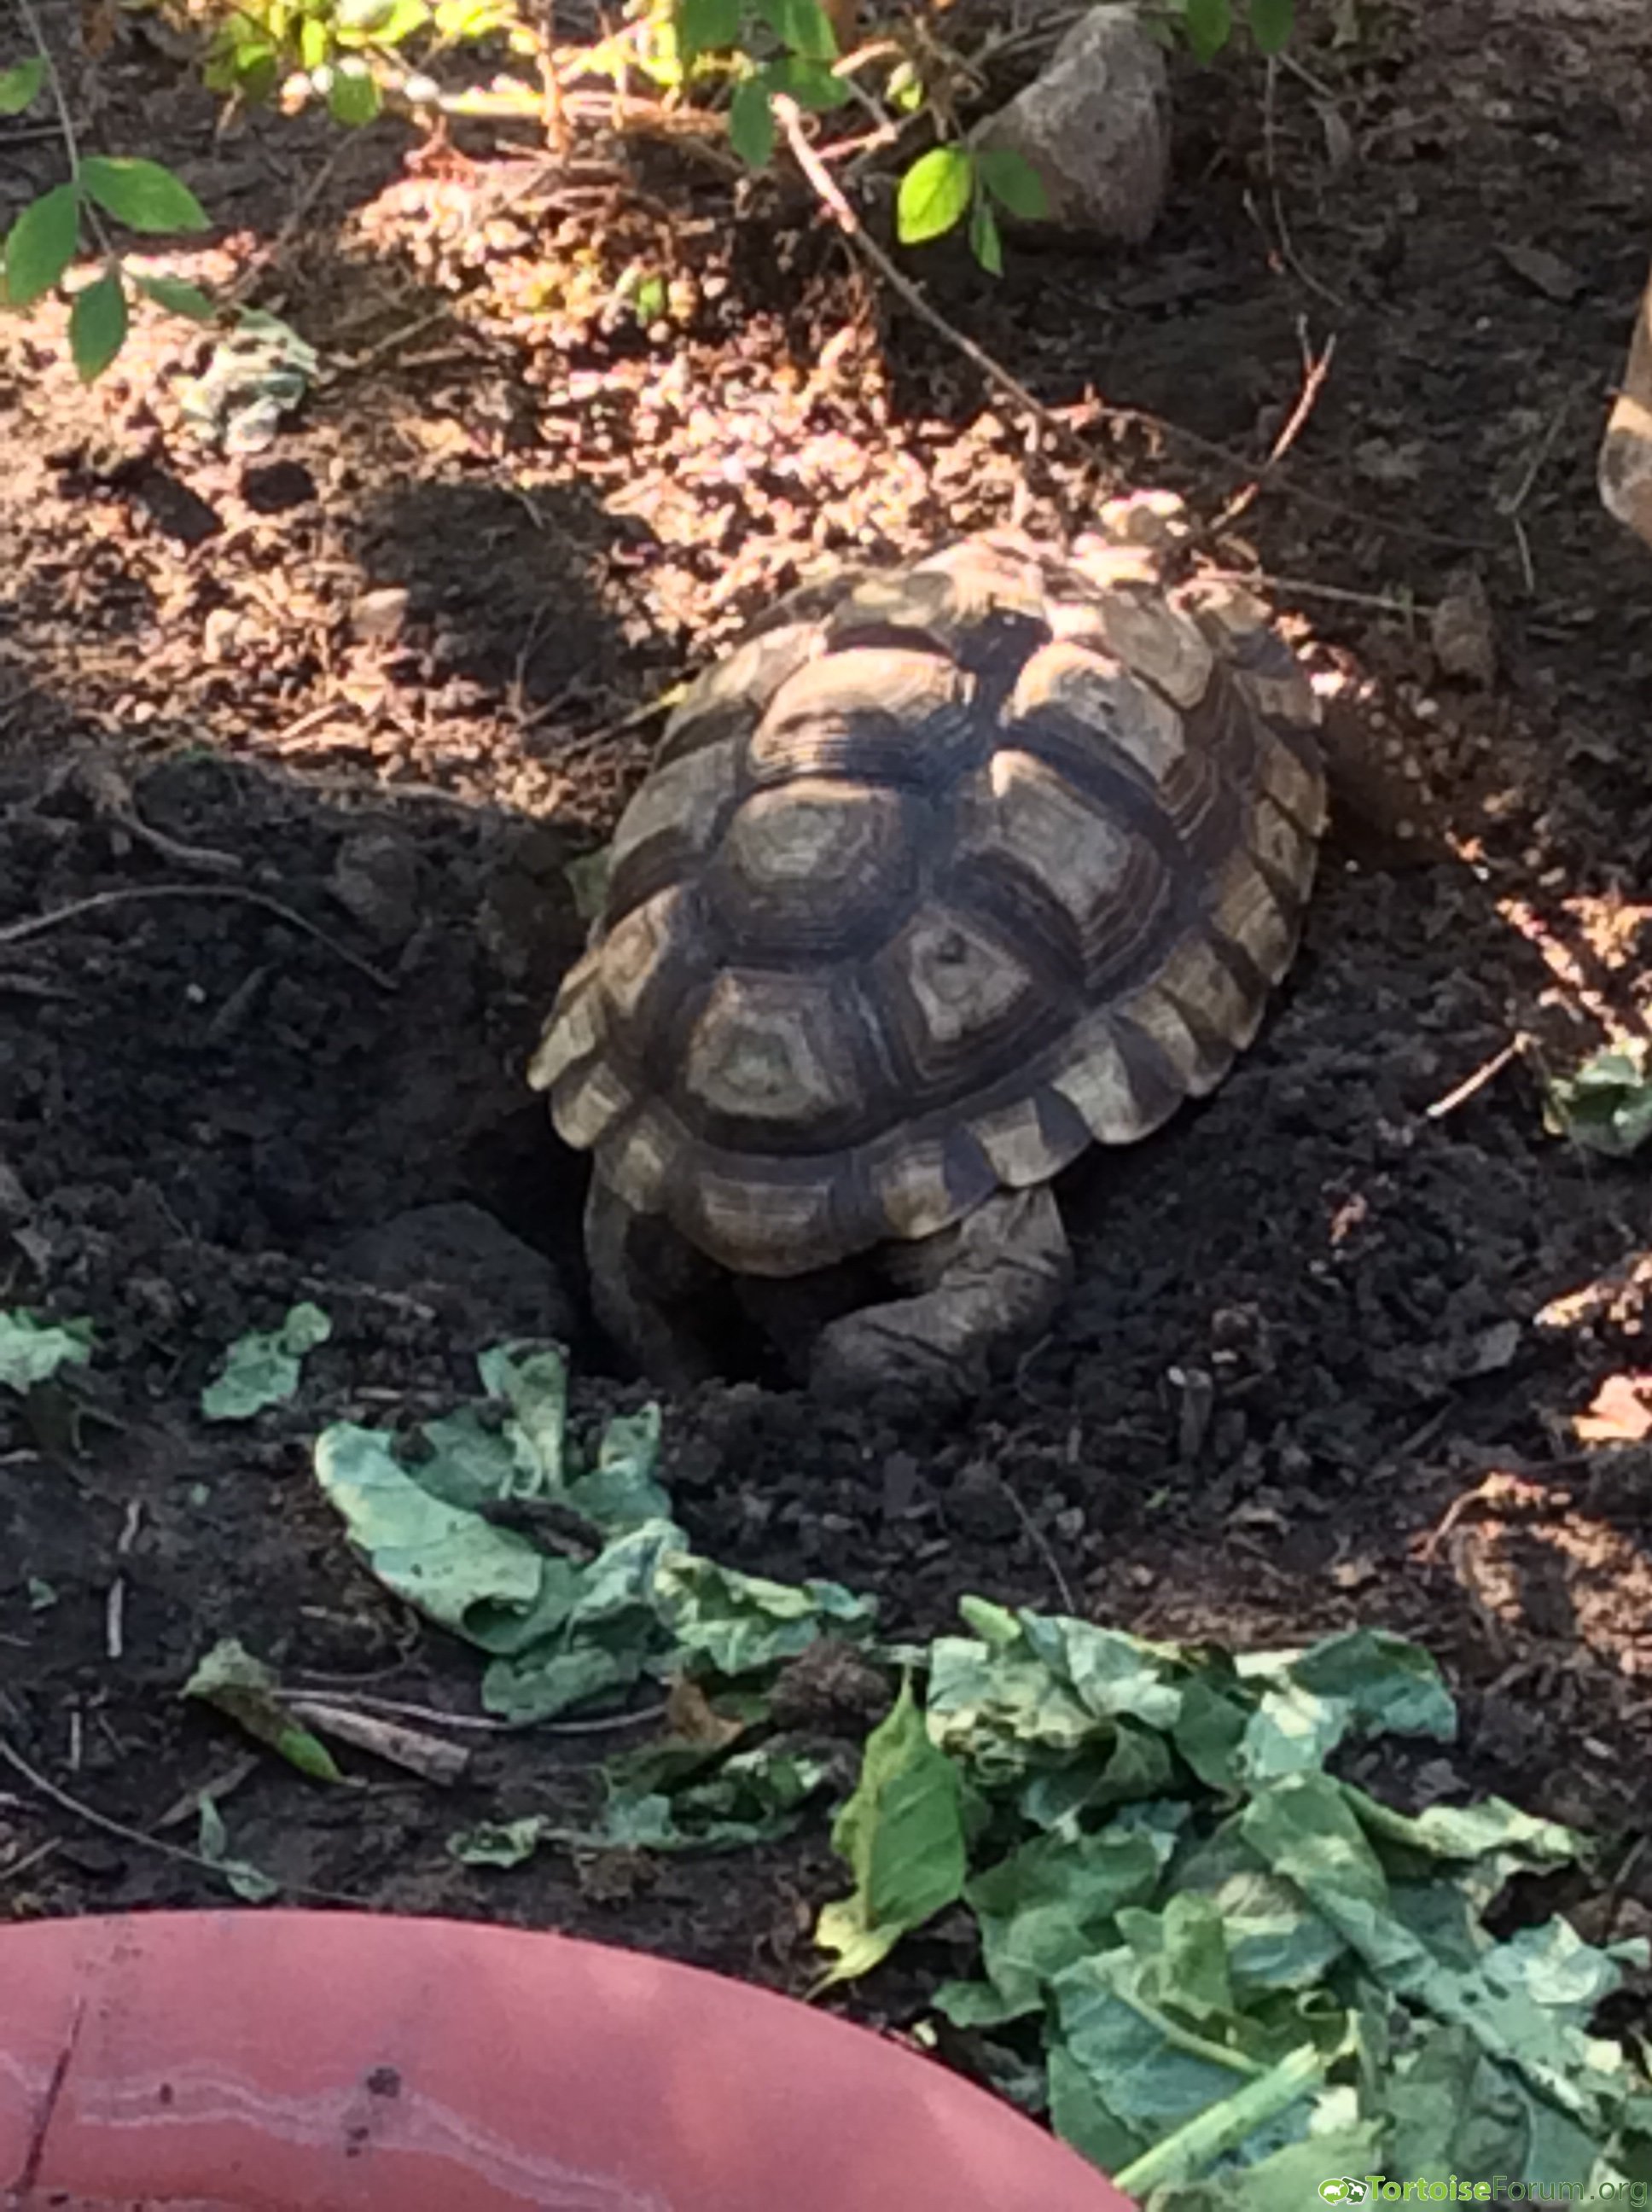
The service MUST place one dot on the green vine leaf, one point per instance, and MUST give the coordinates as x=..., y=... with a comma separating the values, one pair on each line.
x=1013, y=182
x=97, y=326
x=19, y=86
x=751, y=123
x=1210, y=26
x=935, y=194
x=1272, y=23
x=41, y=245
x=144, y=195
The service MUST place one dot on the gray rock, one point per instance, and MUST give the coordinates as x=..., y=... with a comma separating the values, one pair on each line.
x=1096, y=126
x=469, y=1266
x=375, y=877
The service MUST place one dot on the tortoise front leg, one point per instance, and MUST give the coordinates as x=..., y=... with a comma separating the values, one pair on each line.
x=646, y=1280
x=985, y=1288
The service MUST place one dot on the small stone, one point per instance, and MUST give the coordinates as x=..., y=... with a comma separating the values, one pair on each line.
x=377, y=616
x=1462, y=634
x=1096, y=126
x=979, y=1504
x=375, y=878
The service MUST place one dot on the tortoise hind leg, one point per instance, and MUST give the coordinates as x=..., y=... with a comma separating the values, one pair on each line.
x=646, y=1280
x=984, y=1290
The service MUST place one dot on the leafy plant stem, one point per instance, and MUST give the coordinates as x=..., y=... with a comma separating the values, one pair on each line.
x=65, y=121
x=826, y=188
x=1184, y=2039
x=1193, y=2146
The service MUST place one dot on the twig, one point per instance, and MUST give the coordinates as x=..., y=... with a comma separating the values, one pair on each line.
x=1612, y=1903
x=365, y=1702
x=1471, y=1084
x=93, y=1819
x=1314, y=372
x=427, y=1756
x=269, y=256
x=787, y=115
x=15, y=932
x=66, y=122
x=1041, y=1544
x=1301, y=588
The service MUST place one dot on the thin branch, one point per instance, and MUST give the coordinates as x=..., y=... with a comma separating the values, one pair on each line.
x=93, y=1819
x=65, y=121
x=826, y=188
x=831, y=198
x=15, y=932
x=1314, y=372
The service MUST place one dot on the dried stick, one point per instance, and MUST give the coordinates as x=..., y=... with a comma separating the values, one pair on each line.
x=786, y=114
x=16, y=933
x=1314, y=372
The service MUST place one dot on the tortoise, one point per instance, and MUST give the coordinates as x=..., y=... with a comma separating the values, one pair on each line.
x=946, y=873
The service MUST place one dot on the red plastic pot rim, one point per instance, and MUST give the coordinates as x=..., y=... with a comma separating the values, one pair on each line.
x=206, y=2062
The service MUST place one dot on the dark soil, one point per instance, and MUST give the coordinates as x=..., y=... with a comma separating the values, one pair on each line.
x=1307, y=1323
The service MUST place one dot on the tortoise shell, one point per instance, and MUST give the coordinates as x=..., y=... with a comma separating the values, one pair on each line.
x=942, y=876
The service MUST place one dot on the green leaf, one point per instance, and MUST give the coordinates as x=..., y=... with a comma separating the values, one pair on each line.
x=144, y=195
x=751, y=123
x=315, y=43
x=707, y=26
x=19, y=86
x=248, y=1882
x=753, y=1796
x=1210, y=26
x=498, y=1843
x=1606, y=1105
x=41, y=244
x=232, y=1679
x=263, y=1371
x=736, y=1624
x=1049, y=1905
x=803, y=26
x=985, y=242
x=1272, y=23
x=32, y=1349
x=354, y=97
x=901, y=1833
x=97, y=326
x=177, y=297
x=1013, y=182
x=935, y=194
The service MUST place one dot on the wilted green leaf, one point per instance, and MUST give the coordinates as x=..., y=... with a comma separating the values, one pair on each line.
x=1210, y=26
x=33, y=1349
x=498, y=1843
x=40, y=245
x=901, y=1833
x=751, y=122
x=232, y=1679
x=250, y=1883
x=19, y=86
x=97, y=326
x=736, y=1623
x=1607, y=1105
x=264, y=1369
x=934, y=195
x=1272, y=23
x=177, y=297
x=1013, y=182
x=142, y=194
x=749, y=1797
